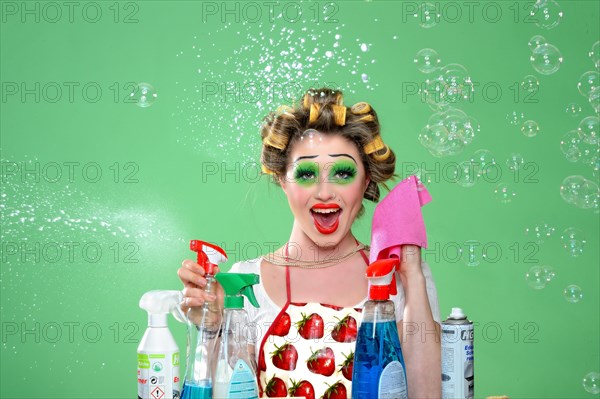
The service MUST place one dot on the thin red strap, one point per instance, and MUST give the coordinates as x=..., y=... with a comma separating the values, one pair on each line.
x=363, y=254
x=287, y=275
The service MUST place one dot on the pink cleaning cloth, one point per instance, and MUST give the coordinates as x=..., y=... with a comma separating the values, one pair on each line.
x=398, y=220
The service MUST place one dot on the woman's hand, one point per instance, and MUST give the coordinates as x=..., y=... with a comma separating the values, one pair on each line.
x=410, y=262
x=191, y=275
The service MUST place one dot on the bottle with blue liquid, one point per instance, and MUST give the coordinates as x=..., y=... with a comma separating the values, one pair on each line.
x=379, y=370
x=204, y=323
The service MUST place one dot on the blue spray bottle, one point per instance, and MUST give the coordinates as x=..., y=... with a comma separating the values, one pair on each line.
x=379, y=370
x=204, y=323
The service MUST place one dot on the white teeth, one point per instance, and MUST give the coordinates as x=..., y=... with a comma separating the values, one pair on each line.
x=331, y=210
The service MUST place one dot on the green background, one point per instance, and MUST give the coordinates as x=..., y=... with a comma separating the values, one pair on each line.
x=79, y=253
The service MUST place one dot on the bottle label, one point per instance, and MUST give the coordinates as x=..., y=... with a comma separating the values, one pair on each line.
x=158, y=375
x=243, y=382
x=392, y=383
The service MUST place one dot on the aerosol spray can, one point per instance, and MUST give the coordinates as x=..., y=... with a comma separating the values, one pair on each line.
x=457, y=357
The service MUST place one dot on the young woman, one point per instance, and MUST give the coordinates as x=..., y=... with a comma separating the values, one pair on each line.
x=327, y=157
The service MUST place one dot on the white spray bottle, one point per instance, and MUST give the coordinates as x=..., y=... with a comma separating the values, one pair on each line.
x=158, y=353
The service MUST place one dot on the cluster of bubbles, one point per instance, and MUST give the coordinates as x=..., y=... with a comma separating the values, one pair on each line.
x=581, y=192
x=591, y=382
x=545, y=58
x=589, y=87
x=445, y=86
x=448, y=132
x=583, y=144
x=143, y=95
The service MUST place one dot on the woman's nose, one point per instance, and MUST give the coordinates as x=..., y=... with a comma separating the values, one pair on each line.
x=325, y=191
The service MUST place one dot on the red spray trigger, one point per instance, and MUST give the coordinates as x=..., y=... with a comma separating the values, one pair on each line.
x=209, y=255
x=381, y=278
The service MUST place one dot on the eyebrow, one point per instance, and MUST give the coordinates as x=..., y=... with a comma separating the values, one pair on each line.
x=331, y=155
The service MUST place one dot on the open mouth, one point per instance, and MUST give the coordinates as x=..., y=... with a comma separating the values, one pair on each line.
x=326, y=219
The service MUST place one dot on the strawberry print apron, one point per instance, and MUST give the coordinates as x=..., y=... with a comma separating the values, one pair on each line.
x=308, y=351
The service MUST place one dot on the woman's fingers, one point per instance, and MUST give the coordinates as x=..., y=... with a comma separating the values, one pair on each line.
x=191, y=274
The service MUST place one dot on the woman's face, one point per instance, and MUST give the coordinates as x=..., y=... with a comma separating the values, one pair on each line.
x=325, y=182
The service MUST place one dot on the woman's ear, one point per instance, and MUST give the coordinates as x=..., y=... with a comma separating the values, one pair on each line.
x=282, y=183
x=367, y=182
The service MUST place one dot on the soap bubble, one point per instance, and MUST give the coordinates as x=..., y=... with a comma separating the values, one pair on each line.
x=570, y=188
x=427, y=15
x=546, y=59
x=484, y=162
x=588, y=194
x=594, y=99
x=588, y=128
x=504, y=193
x=515, y=118
x=364, y=77
x=530, y=84
x=549, y=271
x=569, y=145
x=540, y=232
x=434, y=93
x=530, y=128
x=589, y=153
x=459, y=125
x=457, y=82
x=514, y=161
x=468, y=174
x=434, y=137
x=536, y=41
x=573, y=293
x=573, y=241
x=589, y=81
x=536, y=278
x=364, y=47
x=547, y=13
x=573, y=109
x=427, y=60
x=143, y=95
x=595, y=54
x=591, y=381
x=471, y=257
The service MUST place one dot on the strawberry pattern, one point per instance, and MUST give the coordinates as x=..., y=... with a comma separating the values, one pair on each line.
x=309, y=350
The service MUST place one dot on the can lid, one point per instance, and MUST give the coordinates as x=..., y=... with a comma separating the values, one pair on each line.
x=457, y=313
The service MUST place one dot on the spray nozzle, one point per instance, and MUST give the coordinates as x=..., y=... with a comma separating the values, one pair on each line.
x=209, y=255
x=236, y=286
x=381, y=278
x=160, y=302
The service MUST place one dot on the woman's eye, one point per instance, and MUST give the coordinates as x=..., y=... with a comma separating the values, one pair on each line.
x=344, y=174
x=305, y=175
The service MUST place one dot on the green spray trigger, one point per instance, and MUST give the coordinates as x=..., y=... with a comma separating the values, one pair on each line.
x=236, y=286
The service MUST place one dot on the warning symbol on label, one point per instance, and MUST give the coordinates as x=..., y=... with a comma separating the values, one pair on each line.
x=157, y=393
